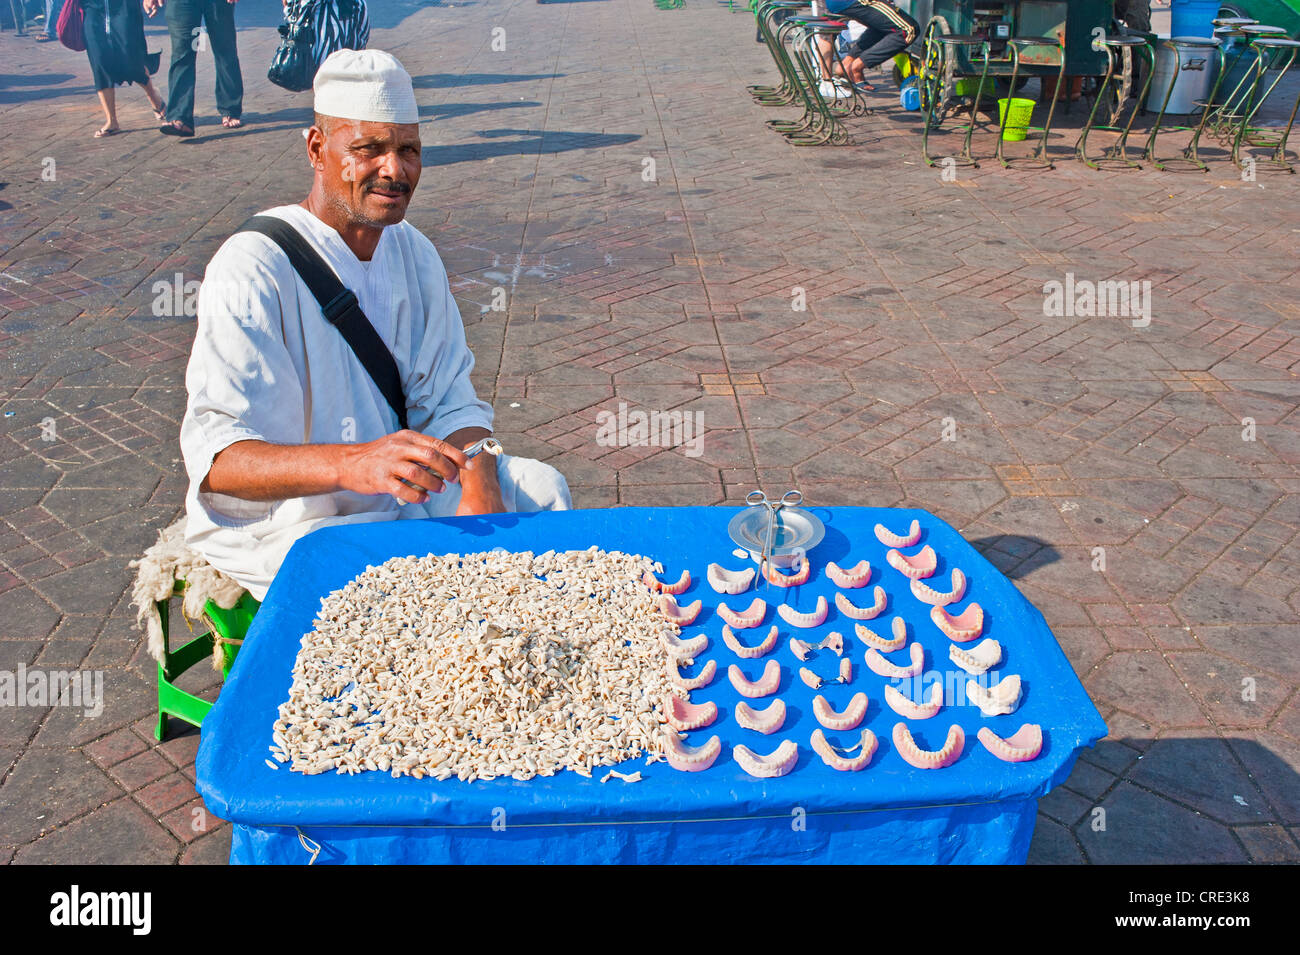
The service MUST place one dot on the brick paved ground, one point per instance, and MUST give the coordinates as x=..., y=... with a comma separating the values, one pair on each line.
x=924, y=309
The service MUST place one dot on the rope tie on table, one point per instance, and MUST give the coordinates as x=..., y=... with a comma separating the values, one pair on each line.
x=310, y=845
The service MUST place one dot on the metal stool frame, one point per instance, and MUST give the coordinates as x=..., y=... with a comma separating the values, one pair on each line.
x=938, y=78
x=1268, y=54
x=1117, y=153
x=1177, y=45
x=1039, y=156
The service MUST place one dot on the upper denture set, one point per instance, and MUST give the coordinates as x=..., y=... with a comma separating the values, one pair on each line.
x=963, y=628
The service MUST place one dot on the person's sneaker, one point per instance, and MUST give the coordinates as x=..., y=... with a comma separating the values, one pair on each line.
x=834, y=90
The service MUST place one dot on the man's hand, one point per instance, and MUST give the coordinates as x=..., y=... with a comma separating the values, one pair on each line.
x=380, y=467
x=480, y=492
x=152, y=6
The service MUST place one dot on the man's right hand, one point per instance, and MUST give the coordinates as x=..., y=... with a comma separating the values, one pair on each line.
x=380, y=467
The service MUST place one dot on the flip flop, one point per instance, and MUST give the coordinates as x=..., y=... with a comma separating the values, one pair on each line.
x=231, y=122
x=105, y=132
x=172, y=130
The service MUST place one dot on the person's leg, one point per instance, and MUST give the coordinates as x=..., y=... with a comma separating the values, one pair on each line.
x=526, y=485
x=883, y=49
x=108, y=102
x=183, y=18
x=53, y=8
x=219, y=16
x=155, y=99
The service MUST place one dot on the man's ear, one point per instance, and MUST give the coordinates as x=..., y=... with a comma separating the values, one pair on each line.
x=316, y=148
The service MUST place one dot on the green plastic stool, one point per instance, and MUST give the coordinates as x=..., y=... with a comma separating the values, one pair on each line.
x=229, y=625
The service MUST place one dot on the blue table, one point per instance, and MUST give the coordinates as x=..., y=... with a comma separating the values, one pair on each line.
x=980, y=809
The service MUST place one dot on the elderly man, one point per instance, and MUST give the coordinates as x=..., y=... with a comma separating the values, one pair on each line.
x=286, y=431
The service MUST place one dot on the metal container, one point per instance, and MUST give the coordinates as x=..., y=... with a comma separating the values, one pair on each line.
x=1195, y=76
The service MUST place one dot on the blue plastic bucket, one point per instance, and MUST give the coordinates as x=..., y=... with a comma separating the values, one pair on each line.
x=909, y=97
x=1193, y=17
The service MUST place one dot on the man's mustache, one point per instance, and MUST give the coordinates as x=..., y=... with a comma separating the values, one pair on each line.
x=387, y=185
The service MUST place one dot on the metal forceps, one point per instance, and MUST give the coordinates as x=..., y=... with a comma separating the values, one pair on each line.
x=757, y=499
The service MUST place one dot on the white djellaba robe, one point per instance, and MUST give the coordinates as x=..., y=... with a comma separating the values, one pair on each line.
x=267, y=366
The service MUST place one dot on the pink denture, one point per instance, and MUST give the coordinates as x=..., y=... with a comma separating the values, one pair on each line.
x=685, y=716
x=751, y=617
x=879, y=665
x=846, y=719
x=890, y=539
x=682, y=616
x=918, y=565
x=766, y=721
x=963, y=627
x=1022, y=745
x=765, y=685
x=912, y=710
x=929, y=758
x=695, y=682
x=938, y=598
x=805, y=621
x=850, y=609
x=777, y=763
x=779, y=579
x=749, y=653
x=655, y=584
x=690, y=759
x=851, y=579
x=845, y=764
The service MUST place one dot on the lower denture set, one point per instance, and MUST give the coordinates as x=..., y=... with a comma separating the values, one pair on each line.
x=963, y=628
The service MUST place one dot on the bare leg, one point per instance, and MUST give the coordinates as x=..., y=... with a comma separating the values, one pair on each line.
x=825, y=49
x=155, y=100
x=108, y=101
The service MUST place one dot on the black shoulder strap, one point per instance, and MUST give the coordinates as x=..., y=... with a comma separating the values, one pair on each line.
x=340, y=307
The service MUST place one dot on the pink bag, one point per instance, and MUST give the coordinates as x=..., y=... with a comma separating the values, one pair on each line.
x=72, y=26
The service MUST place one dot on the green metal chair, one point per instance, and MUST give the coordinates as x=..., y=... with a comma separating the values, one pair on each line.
x=942, y=66
x=229, y=628
x=1181, y=46
x=1118, y=50
x=1018, y=45
x=1275, y=54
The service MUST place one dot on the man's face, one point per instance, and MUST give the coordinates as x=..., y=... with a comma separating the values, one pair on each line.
x=368, y=170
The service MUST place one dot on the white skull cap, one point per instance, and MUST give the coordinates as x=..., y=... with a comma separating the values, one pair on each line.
x=367, y=85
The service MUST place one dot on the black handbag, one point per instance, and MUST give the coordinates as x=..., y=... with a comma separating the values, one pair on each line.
x=293, y=65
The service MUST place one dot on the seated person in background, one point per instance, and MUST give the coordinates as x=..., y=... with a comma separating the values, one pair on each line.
x=888, y=32
x=285, y=431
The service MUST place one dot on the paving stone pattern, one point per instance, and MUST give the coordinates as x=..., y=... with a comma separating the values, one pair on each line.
x=834, y=314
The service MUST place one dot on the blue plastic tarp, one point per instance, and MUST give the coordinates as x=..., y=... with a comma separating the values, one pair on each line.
x=980, y=809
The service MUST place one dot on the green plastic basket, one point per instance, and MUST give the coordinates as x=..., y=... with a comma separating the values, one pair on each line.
x=1013, y=116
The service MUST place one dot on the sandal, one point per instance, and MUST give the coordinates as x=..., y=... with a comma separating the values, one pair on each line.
x=176, y=128
x=231, y=122
x=106, y=131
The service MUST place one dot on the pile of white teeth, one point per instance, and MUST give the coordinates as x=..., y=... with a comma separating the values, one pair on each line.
x=481, y=665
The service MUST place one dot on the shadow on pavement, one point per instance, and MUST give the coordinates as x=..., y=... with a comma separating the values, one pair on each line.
x=439, y=81
x=1175, y=800
x=530, y=141
x=1016, y=556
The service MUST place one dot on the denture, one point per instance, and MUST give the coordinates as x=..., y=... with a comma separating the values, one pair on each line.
x=850, y=609
x=918, y=565
x=685, y=716
x=682, y=616
x=694, y=682
x=655, y=584
x=777, y=763
x=979, y=658
x=903, y=706
x=766, y=721
x=852, y=578
x=765, y=685
x=690, y=759
x=749, y=653
x=834, y=641
x=873, y=639
x=680, y=649
x=963, y=627
x=805, y=621
x=890, y=539
x=1021, y=746
x=846, y=670
x=879, y=665
x=998, y=700
x=845, y=764
x=800, y=648
x=929, y=758
x=846, y=719
x=750, y=617
x=729, y=581
x=938, y=598
x=779, y=579
x=810, y=678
